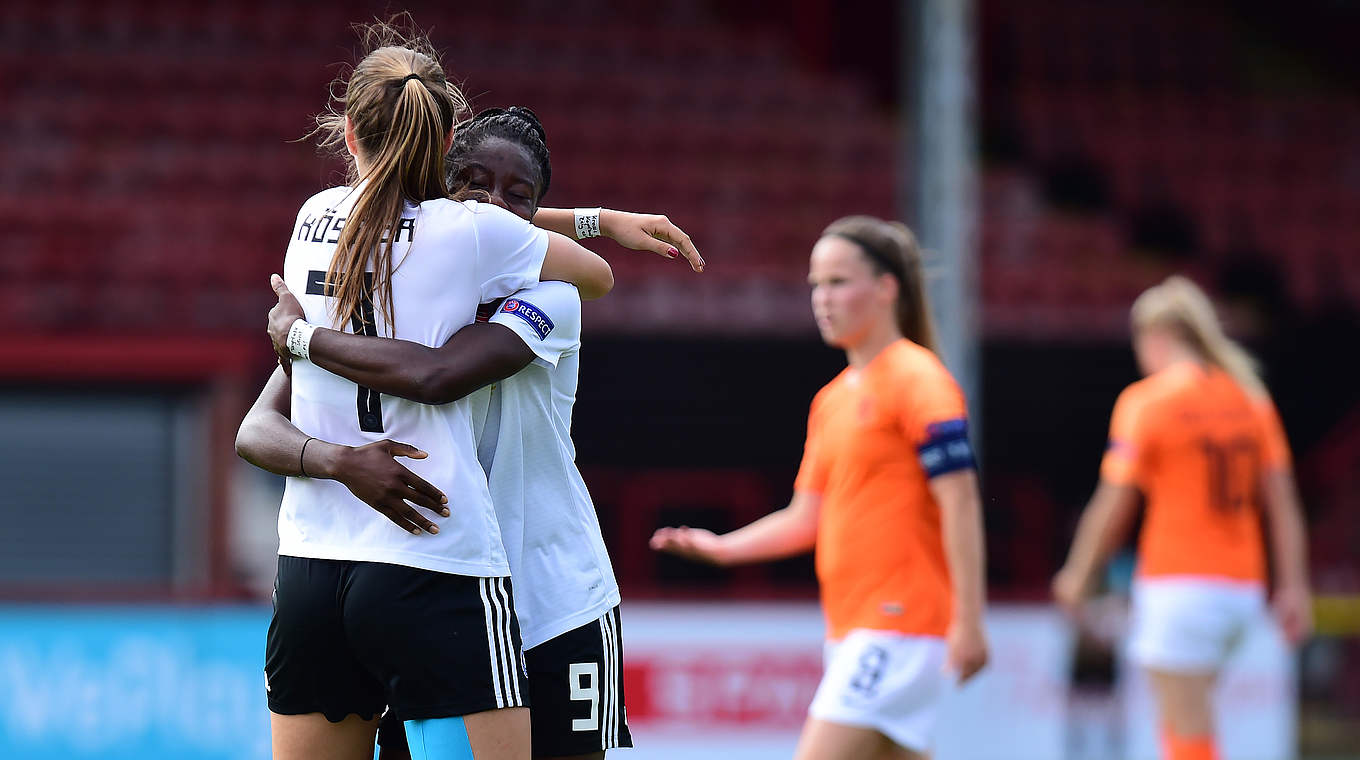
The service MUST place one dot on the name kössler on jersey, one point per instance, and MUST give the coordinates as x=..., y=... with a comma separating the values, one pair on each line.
x=326, y=228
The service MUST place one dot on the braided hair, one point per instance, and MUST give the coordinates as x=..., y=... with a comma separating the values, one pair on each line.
x=515, y=124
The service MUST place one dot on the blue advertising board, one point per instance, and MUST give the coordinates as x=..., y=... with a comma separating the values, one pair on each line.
x=132, y=682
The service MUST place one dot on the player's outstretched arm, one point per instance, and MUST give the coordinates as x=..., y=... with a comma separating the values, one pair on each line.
x=475, y=356
x=783, y=533
x=268, y=439
x=1102, y=528
x=638, y=232
x=961, y=529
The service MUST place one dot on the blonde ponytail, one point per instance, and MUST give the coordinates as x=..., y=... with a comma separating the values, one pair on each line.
x=402, y=109
x=1180, y=306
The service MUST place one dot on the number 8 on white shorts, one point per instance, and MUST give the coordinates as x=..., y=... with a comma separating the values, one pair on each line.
x=889, y=681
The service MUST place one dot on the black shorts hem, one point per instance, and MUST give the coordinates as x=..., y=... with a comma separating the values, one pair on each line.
x=333, y=716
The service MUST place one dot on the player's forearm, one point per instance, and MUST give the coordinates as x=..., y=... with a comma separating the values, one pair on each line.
x=784, y=533
x=1288, y=537
x=563, y=221
x=559, y=220
x=269, y=441
x=475, y=356
x=395, y=367
x=1085, y=557
x=1101, y=529
x=961, y=528
x=266, y=437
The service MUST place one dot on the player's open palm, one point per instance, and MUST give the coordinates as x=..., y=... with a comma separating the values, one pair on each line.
x=372, y=473
x=691, y=543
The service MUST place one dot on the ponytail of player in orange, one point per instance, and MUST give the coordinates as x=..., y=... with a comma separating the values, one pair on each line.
x=891, y=248
x=1179, y=310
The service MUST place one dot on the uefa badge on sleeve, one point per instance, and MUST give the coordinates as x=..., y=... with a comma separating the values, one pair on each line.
x=531, y=314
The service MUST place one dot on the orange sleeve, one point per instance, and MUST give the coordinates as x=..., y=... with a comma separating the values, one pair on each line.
x=812, y=471
x=934, y=418
x=1275, y=453
x=933, y=399
x=1126, y=448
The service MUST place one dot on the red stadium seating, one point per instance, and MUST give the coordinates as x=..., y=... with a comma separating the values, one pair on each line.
x=166, y=135
x=152, y=143
x=1156, y=93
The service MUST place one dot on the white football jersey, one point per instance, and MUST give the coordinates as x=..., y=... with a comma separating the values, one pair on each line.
x=562, y=574
x=448, y=258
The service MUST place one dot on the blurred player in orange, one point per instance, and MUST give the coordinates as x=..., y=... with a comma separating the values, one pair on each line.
x=1200, y=440
x=888, y=495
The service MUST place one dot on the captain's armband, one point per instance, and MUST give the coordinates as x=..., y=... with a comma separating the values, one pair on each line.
x=946, y=448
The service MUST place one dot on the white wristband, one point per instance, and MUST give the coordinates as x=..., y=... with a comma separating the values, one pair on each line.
x=300, y=339
x=587, y=223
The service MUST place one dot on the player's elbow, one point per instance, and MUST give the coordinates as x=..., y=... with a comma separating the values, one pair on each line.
x=597, y=282
x=244, y=440
x=443, y=383
x=434, y=384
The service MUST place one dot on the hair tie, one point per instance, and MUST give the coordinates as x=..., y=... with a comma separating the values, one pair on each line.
x=409, y=77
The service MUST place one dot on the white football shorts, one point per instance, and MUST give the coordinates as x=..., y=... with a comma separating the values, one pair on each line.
x=889, y=681
x=1191, y=624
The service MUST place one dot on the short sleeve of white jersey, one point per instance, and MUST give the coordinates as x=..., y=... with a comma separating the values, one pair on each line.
x=510, y=251
x=547, y=317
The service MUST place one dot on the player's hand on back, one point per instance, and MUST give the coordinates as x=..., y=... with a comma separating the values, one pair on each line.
x=691, y=543
x=281, y=318
x=372, y=473
x=650, y=232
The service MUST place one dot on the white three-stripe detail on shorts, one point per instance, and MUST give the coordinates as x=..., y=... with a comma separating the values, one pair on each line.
x=604, y=683
x=609, y=727
x=616, y=685
x=510, y=663
x=615, y=677
x=616, y=681
x=491, y=648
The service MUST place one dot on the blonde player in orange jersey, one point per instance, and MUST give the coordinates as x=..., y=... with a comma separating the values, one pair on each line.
x=888, y=495
x=1200, y=440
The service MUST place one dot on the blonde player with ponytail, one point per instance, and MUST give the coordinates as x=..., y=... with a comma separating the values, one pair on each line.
x=1199, y=439
x=888, y=496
